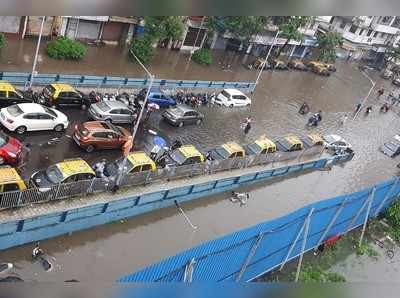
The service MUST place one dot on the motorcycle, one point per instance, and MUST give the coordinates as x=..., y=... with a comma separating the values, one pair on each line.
x=312, y=121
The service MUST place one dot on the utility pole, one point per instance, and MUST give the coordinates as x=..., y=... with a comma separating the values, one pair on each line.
x=266, y=61
x=37, y=52
x=368, y=94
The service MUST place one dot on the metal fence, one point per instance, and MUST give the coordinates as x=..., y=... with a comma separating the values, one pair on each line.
x=249, y=253
x=23, y=79
x=86, y=187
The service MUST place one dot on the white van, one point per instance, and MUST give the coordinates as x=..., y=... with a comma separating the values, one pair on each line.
x=232, y=98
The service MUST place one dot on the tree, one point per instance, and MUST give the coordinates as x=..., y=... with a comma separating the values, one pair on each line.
x=327, y=44
x=2, y=40
x=289, y=29
x=170, y=27
x=142, y=48
x=392, y=53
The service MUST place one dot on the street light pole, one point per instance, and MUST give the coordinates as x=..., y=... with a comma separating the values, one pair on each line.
x=37, y=52
x=368, y=94
x=138, y=119
x=265, y=61
x=197, y=36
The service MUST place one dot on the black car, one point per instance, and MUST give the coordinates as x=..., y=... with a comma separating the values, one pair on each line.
x=392, y=147
x=64, y=95
x=182, y=115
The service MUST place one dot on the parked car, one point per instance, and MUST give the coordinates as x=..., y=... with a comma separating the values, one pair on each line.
x=232, y=98
x=396, y=81
x=184, y=155
x=63, y=95
x=32, y=117
x=391, y=148
x=136, y=162
x=11, y=96
x=312, y=140
x=329, y=66
x=289, y=143
x=158, y=97
x=227, y=150
x=67, y=171
x=297, y=64
x=94, y=135
x=182, y=115
x=10, y=180
x=318, y=68
x=258, y=63
x=10, y=149
x=279, y=64
x=387, y=74
x=262, y=145
x=332, y=141
x=112, y=111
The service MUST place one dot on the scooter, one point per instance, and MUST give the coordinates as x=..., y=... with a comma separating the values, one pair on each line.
x=312, y=121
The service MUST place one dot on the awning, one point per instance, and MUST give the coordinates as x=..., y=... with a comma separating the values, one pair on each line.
x=127, y=20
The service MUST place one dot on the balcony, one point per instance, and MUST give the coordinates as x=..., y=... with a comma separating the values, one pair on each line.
x=384, y=28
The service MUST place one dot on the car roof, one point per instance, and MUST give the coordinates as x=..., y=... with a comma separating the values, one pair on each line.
x=232, y=91
x=116, y=104
x=8, y=174
x=138, y=158
x=397, y=138
x=97, y=126
x=315, y=138
x=190, y=151
x=264, y=142
x=74, y=166
x=31, y=107
x=292, y=139
x=232, y=147
x=6, y=86
x=334, y=137
x=184, y=108
x=62, y=87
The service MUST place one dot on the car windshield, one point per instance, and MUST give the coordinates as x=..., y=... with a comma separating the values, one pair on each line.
x=223, y=152
x=14, y=110
x=50, y=112
x=392, y=146
x=226, y=94
x=3, y=139
x=54, y=174
x=103, y=106
x=177, y=156
x=285, y=144
x=255, y=148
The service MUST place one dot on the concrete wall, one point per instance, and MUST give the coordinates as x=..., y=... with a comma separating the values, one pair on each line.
x=9, y=24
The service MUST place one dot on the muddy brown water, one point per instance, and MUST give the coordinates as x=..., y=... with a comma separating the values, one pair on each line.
x=107, y=252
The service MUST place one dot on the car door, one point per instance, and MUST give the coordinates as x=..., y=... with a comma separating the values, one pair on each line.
x=190, y=117
x=31, y=121
x=126, y=115
x=113, y=140
x=4, y=102
x=75, y=98
x=46, y=122
x=116, y=116
x=101, y=140
x=16, y=98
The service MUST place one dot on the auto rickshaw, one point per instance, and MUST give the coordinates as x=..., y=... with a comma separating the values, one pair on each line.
x=262, y=145
x=289, y=143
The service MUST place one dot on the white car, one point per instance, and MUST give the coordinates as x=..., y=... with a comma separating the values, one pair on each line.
x=32, y=117
x=232, y=98
x=332, y=141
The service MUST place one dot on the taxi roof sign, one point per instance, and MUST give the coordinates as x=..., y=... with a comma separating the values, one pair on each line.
x=190, y=151
x=8, y=174
x=74, y=166
x=139, y=158
x=264, y=142
x=62, y=87
x=232, y=147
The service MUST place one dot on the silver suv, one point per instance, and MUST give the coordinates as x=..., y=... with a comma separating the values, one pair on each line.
x=112, y=111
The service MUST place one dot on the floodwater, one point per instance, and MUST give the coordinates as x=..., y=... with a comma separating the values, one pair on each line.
x=107, y=252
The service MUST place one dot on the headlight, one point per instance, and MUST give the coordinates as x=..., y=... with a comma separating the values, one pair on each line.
x=12, y=154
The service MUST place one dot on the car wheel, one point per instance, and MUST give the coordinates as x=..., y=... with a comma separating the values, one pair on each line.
x=198, y=121
x=59, y=128
x=180, y=124
x=1, y=160
x=108, y=120
x=20, y=130
x=89, y=148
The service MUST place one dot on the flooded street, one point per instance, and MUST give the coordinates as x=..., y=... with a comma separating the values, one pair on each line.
x=107, y=252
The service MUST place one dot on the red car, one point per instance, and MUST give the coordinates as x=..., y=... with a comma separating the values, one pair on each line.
x=10, y=149
x=100, y=135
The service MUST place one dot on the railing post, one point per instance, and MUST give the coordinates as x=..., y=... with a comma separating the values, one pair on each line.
x=188, y=274
x=307, y=225
x=89, y=190
x=371, y=198
x=19, y=198
x=249, y=256
x=387, y=196
x=357, y=215
x=58, y=188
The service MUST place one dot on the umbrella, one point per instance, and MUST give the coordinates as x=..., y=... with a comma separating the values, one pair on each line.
x=153, y=106
x=159, y=141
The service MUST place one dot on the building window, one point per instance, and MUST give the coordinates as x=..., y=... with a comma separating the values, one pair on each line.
x=383, y=35
x=376, y=33
x=353, y=29
x=342, y=25
x=396, y=23
x=369, y=32
x=385, y=20
x=361, y=32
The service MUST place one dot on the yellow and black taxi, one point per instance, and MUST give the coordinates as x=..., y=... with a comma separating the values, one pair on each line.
x=11, y=96
x=182, y=156
x=262, y=145
x=289, y=143
x=10, y=180
x=318, y=68
x=136, y=162
x=227, y=150
x=312, y=140
x=279, y=64
x=70, y=170
x=63, y=95
x=330, y=67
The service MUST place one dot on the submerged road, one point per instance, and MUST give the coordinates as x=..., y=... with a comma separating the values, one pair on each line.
x=107, y=252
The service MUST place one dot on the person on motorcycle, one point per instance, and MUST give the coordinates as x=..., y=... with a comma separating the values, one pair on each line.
x=318, y=116
x=313, y=120
x=304, y=109
x=37, y=251
x=384, y=107
x=368, y=110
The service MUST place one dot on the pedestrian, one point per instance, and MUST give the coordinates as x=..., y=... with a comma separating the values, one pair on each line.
x=381, y=90
x=368, y=110
x=246, y=125
x=37, y=251
x=358, y=107
x=343, y=120
x=349, y=55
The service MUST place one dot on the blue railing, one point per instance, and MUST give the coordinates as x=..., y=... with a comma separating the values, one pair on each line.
x=23, y=79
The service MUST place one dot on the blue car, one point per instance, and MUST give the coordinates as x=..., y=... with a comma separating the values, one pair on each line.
x=158, y=97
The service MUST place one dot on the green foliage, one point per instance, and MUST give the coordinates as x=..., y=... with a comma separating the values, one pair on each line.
x=242, y=27
x=316, y=274
x=2, y=40
x=142, y=48
x=65, y=48
x=392, y=53
x=393, y=217
x=202, y=56
x=327, y=44
x=163, y=27
x=366, y=249
x=289, y=29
